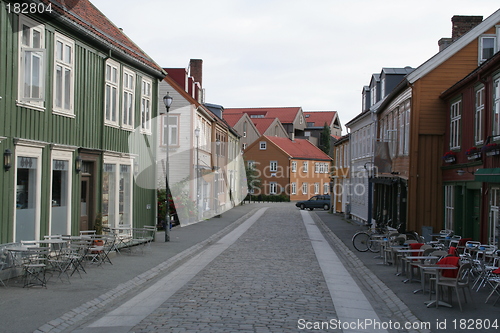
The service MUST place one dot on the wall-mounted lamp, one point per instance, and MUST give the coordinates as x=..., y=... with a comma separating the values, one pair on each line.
x=78, y=164
x=7, y=159
x=462, y=172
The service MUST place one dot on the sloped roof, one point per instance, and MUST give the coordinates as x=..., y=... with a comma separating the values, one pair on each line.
x=231, y=119
x=456, y=46
x=262, y=124
x=95, y=24
x=299, y=148
x=286, y=115
x=319, y=118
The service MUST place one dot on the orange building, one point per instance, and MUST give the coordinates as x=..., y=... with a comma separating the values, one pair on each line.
x=295, y=168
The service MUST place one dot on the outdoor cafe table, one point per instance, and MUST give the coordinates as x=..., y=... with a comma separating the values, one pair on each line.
x=404, y=252
x=437, y=268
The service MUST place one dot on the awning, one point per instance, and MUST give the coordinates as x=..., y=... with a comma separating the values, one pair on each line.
x=491, y=175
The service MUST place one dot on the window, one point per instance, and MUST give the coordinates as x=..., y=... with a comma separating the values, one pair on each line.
x=479, y=116
x=325, y=188
x=294, y=166
x=294, y=188
x=316, y=188
x=487, y=47
x=263, y=145
x=32, y=56
x=449, y=198
x=146, y=106
x=305, y=167
x=273, y=165
x=407, y=128
x=109, y=195
x=273, y=188
x=496, y=106
x=251, y=164
x=63, y=74
x=455, y=124
x=244, y=146
x=117, y=192
x=304, y=188
x=60, y=219
x=111, y=93
x=494, y=231
x=173, y=129
x=125, y=195
x=128, y=99
x=245, y=124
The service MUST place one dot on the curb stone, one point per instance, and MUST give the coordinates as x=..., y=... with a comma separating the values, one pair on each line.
x=369, y=280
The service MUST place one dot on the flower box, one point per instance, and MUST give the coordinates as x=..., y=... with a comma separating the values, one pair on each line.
x=474, y=156
x=491, y=149
x=473, y=153
x=493, y=152
x=450, y=157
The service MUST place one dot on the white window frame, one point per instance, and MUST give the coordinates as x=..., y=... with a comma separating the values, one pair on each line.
x=304, y=188
x=455, y=124
x=294, y=188
x=273, y=166
x=479, y=94
x=481, y=53
x=305, y=167
x=115, y=196
x=173, y=129
x=128, y=98
x=111, y=93
x=493, y=230
x=25, y=150
x=449, y=198
x=273, y=188
x=28, y=53
x=64, y=155
x=316, y=188
x=496, y=106
x=326, y=188
x=294, y=166
x=263, y=145
x=67, y=89
x=407, y=112
x=146, y=105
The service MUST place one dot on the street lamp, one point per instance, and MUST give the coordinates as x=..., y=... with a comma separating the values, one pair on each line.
x=197, y=134
x=370, y=171
x=167, y=100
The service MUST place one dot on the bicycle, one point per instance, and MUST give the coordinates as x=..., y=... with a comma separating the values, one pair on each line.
x=370, y=240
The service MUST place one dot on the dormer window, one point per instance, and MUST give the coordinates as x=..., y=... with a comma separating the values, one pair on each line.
x=487, y=47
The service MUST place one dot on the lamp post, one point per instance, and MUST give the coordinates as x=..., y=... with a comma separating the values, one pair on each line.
x=197, y=134
x=370, y=191
x=167, y=100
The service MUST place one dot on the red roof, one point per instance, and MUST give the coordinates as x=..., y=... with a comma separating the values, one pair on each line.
x=299, y=148
x=231, y=119
x=262, y=124
x=96, y=24
x=286, y=115
x=319, y=118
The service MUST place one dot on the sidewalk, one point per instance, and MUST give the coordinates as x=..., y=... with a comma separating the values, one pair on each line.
x=62, y=303
x=381, y=281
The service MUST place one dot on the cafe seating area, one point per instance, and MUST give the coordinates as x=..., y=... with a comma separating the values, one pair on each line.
x=451, y=270
x=60, y=258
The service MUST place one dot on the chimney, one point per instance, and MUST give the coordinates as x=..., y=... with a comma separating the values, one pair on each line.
x=463, y=24
x=460, y=25
x=196, y=70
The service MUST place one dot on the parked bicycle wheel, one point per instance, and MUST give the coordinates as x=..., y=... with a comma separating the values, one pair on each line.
x=374, y=244
x=360, y=241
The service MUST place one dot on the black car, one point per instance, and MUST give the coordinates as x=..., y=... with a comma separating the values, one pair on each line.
x=318, y=201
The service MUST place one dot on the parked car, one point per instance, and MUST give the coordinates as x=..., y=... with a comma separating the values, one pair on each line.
x=318, y=201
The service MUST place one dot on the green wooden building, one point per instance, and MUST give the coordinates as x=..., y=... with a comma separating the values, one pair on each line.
x=73, y=89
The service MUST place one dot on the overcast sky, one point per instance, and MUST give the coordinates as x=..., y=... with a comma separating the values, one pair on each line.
x=317, y=54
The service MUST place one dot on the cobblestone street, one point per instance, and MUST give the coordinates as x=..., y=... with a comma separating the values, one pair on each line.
x=265, y=282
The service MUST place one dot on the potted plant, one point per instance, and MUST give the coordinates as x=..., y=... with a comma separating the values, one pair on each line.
x=450, y=157
x=473, y=153
x=491, y=149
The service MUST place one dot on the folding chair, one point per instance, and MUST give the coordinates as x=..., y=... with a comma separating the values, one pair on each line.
x=34, y=267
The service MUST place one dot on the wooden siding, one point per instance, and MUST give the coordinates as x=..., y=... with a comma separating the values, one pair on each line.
x=84, y=130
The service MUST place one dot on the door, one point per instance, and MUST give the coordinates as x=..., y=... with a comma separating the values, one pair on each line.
x=85, y=203
x=472, y=221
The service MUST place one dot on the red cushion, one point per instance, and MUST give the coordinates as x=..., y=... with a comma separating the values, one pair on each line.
x=452, y=250
x=450, y=260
